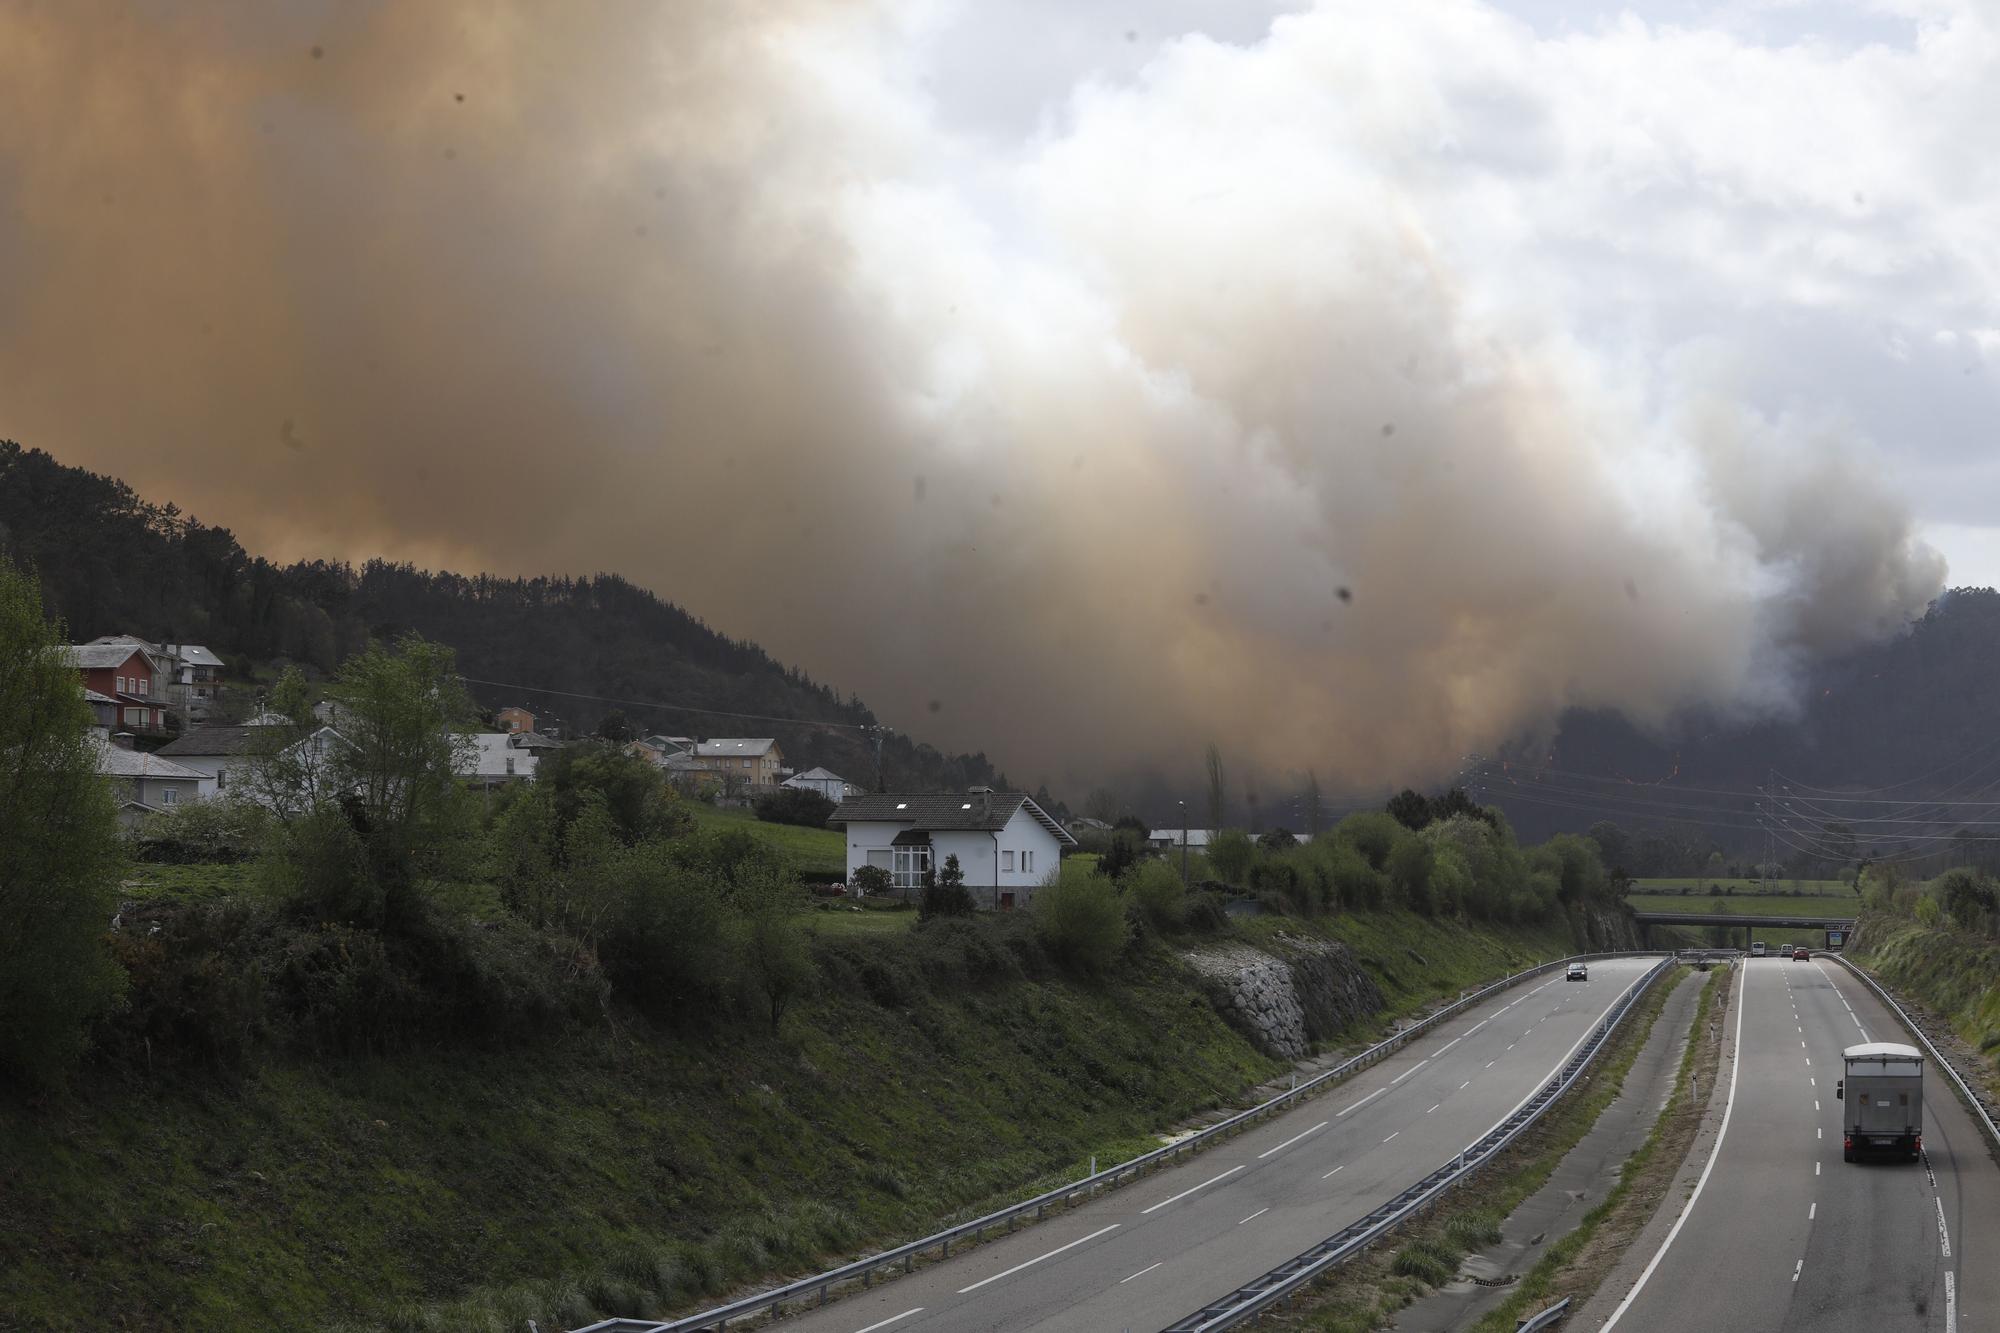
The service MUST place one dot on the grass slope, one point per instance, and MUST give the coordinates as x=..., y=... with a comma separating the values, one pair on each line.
x=817, y=852
x=1843, y=906
x=1702, y=884
x=627, y=1172
x=1954, y=974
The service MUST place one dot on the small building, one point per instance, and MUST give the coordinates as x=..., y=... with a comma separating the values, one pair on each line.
x=511, y=718
x=127, y=673
x=828, y=784
x=496, y=758
x=755, y=761
x=190, y=674
x=224, y=753
x=1007, y=846
x=146, y=784
x=1164, y=838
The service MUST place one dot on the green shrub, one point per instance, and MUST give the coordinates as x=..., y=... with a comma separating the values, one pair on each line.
x=202, y=832
x=1081, y=919
x=1427, y=1260
x=1157, y=891
x=945, y=893
x=1230, y=855
x=794, y=805
x=665, y=945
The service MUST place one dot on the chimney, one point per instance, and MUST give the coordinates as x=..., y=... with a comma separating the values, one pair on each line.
x=122, y=739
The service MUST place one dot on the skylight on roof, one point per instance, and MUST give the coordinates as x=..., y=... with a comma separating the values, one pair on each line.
x=902, y=805
x=966, y=806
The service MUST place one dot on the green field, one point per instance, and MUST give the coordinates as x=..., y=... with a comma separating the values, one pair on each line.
x=816, y=851
x=1703, y=884
x=1820, y=904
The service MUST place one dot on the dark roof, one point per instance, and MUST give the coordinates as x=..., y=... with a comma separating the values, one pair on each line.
x=911, y=837
x=216, y=740
x=930, y=811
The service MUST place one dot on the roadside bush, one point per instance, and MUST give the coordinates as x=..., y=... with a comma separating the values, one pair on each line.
x=776, y=962
x=1279, y=887
x=1371, y=833
x=1358, y=886
x=794, y=805
x=1081, y=920
x=196, y=996
x=665, y=946
x=1409, y=868
x=1156, y=890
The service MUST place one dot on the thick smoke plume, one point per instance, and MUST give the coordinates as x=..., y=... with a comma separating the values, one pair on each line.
x=1219, y=408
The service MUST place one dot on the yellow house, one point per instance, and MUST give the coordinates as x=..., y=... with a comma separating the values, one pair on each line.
x=754, y=760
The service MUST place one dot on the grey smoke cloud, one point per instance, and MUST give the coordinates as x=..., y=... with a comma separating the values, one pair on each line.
x=1080, y=434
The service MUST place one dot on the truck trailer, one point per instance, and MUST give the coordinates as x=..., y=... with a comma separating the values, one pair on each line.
x=1882, y=1100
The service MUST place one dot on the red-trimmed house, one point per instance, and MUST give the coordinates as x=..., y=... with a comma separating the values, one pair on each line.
x=129, y=676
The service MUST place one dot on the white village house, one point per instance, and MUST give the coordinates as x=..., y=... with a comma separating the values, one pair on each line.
x=145, y=784
x=1165, y=838
x=497, y=757
x=828, y=784
x=1006, y=845
x=229, y=755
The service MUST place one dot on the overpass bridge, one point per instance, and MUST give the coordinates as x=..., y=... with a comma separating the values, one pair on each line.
x=1836, y=929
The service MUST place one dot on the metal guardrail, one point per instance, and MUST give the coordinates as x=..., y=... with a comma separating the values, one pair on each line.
x=1965, y=1093
x=905, y=1256
x=1287, y=1279
x=1546, y=1319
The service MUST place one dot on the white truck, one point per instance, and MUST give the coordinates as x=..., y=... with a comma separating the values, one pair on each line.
x=1882, y=1100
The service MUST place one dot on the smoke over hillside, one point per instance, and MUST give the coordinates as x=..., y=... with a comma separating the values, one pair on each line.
x=1235, y=403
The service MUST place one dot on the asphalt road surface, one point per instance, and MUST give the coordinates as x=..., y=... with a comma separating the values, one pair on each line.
x=1140, y=1257
x=1782, y=1234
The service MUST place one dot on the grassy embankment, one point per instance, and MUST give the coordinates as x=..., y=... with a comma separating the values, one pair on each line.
x=629, y=1170
x=1953, y=973
x=1827, y=905
x=1701, y=884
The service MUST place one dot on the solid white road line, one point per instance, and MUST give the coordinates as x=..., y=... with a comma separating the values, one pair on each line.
x=1123, y=1280
x=892, y=1320
x=1411, y=1070
x=1038, y=1258
x=1254, y=1216
x=1330, y=1174
x=1714, y=1156
x=1290, y=1141
x=1944, y=1237
x=1184, y=1193
x=1363, y=1102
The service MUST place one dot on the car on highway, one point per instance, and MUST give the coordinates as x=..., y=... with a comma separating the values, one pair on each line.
x=1577, y=972
x=1757, y=949
x=1800, y=955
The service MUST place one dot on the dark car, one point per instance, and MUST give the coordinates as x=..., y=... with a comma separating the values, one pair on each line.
x=1799, y=954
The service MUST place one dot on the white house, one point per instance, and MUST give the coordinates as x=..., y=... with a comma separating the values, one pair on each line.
x=231, y=754
x=497, y=757
x=1006, y=845
x=146, y=784
x=830, y=785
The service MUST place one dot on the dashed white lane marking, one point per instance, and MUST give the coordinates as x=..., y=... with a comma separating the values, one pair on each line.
x=1815, y=1103
x=1392, y=1136
x=1330, y=1174
x=1448, y=1045
x=1434, y=1108
x=897, y=1319
x=1819, y=1131
x=1810, y=1079
x=1290, y=1141
x=1363, y=1102
x=1184, y=1193
x=1411, y=1070
x=1815, y=1168
x=1052, y=1253
x=1476, y=1026
x=1489, y=1064
x=1121, y=1281
x=1800, y=1269
x=1950, y=1301
x=1812, y=1211
x=1254, y=1216
x=1510, y=1045
x=1463, y=1086
x=1944, y=1237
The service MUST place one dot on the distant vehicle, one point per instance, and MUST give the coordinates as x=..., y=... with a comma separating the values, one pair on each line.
x=1757, y=949
x=1799, y=954
x=1882, y=1100
x=1578, y=972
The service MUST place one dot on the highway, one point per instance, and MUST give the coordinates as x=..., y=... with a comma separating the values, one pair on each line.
x=1781, y=1233
x=1140, y=1257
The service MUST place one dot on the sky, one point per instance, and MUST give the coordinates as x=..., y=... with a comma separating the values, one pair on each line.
x=1355, y=386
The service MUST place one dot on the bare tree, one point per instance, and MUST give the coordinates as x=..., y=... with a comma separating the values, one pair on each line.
x=1218, y=786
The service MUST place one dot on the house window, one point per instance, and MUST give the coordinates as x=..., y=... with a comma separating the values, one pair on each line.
x=168, y=796
x=911, y=865
x=135, y=717
x=881, y=858
x=1027, y=863
x=746, y=763
x=221, y=778
x=142, y=682
x=119, y=683
x=1006, y=860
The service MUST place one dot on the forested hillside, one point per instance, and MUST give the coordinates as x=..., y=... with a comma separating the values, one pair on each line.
x=112, y=562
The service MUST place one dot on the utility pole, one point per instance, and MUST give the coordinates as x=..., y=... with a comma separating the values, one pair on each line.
x=878, y=732
x=1183, y=806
